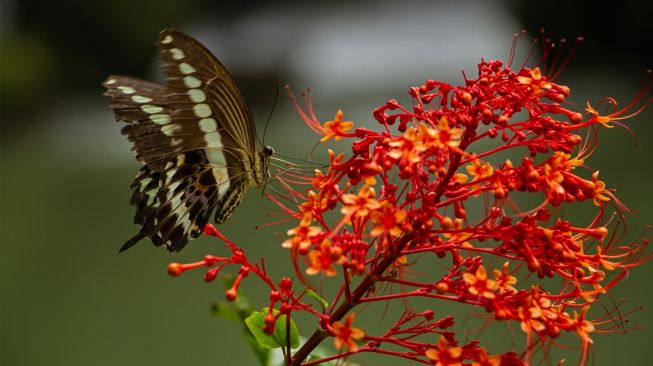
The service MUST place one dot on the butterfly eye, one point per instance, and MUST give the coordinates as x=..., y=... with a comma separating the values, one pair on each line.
x=268, y=150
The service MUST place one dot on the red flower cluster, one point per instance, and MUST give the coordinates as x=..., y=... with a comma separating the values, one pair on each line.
x=402, y=196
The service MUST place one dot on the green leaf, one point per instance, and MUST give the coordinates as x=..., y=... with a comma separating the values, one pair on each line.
x=317, y=298
x=256, y=322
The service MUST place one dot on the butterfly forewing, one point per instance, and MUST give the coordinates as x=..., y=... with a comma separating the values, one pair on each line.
x=195, y=137
x=195, y=76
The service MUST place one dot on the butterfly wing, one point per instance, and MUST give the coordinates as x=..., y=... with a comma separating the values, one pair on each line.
x=201, y=84
x=194, y=136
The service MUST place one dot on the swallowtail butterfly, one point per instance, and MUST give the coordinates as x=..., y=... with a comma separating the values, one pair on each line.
x=196, y=140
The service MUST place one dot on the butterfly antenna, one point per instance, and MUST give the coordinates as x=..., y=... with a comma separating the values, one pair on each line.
x=274, y=105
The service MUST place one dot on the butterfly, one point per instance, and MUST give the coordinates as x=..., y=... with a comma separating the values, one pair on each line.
x=196, y=139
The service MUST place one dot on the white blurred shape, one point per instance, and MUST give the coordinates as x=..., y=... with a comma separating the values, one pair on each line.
x=354, y=48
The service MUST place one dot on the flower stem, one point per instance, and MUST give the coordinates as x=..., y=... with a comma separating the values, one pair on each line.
x=320, y=334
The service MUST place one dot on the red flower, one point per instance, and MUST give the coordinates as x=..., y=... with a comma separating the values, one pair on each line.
x=387, y=219
x=535, y=80
x=337, y=128
x=479, y=284
x=302, y=236
x=486, y=360
x=323, y=258
x=443, y=355
x=346, y=334
x=362, y=204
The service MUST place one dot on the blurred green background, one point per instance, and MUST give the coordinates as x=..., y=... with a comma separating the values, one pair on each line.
x=69, y=298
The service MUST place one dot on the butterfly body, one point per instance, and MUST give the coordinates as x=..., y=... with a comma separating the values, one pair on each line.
x=196, y=139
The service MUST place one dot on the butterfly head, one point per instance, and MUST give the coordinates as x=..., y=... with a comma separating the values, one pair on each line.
x=261, y=170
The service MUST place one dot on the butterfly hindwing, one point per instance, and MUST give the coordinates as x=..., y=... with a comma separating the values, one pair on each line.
x=229, y=201
x=173, y=205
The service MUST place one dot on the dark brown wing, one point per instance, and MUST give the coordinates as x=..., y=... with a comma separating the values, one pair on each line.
x=192, y=71
x=193, y=136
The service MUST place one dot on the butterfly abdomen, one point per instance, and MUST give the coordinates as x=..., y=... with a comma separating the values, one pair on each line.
x=229, y=202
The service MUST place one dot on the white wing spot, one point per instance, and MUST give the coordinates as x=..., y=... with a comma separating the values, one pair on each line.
x=177, y=54
x=213, y=140
x=216, y=157
x=141, y=99
x=173, y=186
x=192, y=82
x=181, y=158
x=160, y=119
x=151, y=194
x=167, y=39
x=186, y=68
x=208, y=125
x=196, y=95
x=127, y=89
x=221, y=175
x=110, y=81
x=202, y=110
x=145, y=182
x=169, y=129
x=151, y=109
